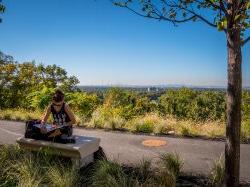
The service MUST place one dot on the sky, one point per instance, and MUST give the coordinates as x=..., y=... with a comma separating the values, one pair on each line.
x=106, y=45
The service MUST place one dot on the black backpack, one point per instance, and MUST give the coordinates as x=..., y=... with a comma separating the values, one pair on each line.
x=31, y=131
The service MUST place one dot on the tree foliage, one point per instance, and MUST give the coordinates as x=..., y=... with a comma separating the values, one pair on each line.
x=127, y=104
x=83, y=103
x=192, y=104
x=2, y=9
x=18, y=80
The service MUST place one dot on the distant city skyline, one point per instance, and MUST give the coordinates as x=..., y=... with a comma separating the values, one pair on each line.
x=105, y=45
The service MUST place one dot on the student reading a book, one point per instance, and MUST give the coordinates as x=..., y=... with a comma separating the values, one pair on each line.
x=62, y=115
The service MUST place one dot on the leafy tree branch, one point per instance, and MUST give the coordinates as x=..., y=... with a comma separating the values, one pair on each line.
x=2, y=9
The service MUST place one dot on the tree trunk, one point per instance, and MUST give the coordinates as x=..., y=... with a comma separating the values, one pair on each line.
x=234, y=94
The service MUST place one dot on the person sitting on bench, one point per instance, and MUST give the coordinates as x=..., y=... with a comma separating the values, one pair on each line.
x=62, y=115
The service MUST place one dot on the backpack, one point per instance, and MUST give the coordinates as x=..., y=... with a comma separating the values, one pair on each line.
x=31, y=131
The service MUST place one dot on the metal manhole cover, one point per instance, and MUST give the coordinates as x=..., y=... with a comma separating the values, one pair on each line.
x=154, y=143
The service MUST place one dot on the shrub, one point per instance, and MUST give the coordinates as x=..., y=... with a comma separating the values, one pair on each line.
x=129, y=104
x=162, y=128
x=245, y=130
x=208, y=105
x=145, y=127
x=107, y=118
x=82, y=103
x=196, y=105
x=246, y=105
x=177, y=102
x=148, y=124
x=40, y=99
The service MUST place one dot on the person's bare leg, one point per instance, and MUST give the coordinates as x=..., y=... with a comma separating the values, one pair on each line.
x=56, y=133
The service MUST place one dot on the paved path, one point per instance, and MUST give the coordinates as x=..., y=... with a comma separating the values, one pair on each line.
x=198, y=155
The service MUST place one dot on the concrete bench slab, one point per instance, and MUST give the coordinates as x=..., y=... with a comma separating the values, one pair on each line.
x=81, y=152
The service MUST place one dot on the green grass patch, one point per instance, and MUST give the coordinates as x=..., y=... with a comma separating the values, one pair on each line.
x=217, y=174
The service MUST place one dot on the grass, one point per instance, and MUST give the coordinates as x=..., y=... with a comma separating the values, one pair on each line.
x=149, y=123
x=144, y=172
x=110, y=173
x=171, y=163
x=60, y=176
x=20, y=114
x=217, y=173
x=26, y=169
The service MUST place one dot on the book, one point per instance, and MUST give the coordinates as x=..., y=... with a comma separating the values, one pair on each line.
x=50, y=127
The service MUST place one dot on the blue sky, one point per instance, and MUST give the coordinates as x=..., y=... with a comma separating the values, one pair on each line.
x=102, y=44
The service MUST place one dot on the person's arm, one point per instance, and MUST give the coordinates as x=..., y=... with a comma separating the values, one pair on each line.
x=70, y=114
x=46, y=115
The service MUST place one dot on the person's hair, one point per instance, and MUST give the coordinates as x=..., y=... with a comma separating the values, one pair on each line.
x=58, y=96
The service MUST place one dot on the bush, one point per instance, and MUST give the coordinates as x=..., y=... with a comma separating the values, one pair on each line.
x=105, y=117
x=245, y=130
x=129, y=104
x=208, y=105
x=196, y=105
x=40, y=99
x=148, y=124
x=246, y=105
x=82, y=103
x=177, y=102
x=145, y=127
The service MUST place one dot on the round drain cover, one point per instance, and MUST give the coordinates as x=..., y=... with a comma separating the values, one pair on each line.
x=154, y=143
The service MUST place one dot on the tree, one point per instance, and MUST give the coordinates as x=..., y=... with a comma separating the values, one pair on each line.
x=17, y=80
x=2, y=9
x=230, y=16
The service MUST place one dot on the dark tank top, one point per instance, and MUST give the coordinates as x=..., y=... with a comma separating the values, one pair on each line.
x=61, y=117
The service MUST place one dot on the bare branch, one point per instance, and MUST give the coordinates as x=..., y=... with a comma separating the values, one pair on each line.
x=245, y=41
x=192, y=12
x=159, y=17
x=201, y=17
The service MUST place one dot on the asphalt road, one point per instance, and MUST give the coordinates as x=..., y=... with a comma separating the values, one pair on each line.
x=198, y=155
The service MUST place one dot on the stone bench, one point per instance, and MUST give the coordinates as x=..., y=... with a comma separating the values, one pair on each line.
x=81, y=152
